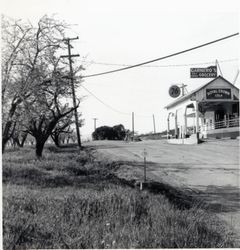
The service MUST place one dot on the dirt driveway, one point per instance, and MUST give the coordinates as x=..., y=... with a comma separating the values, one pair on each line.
x=211, y=168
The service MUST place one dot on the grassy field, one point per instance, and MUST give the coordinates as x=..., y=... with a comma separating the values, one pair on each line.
x=70, y=200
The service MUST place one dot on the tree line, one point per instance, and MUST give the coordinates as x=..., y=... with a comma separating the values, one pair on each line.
x=36, y=93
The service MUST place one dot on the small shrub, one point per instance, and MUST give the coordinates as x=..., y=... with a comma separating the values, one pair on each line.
x=77, y=170
x=83, y=157
x=52, y=149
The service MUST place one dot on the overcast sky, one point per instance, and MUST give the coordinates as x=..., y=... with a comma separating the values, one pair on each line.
x=130, y=32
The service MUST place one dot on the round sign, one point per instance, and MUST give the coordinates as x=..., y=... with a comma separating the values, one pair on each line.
x=174, y=91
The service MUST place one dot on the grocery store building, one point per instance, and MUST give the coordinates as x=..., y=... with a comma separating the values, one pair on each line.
x=210, y=111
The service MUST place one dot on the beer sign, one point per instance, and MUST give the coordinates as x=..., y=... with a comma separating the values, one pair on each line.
x=209, y=72
x=218, y=93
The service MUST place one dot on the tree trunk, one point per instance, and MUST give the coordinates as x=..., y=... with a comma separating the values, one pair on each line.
x=55, y=138
x=6, y=135
x=4, y=143
x=16, y=141
x=24, y=137
x=39, y=147
x=56, y=141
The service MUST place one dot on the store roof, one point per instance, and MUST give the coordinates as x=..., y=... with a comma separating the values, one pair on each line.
x=190, y=94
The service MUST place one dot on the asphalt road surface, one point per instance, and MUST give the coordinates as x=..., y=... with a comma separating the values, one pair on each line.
x=211, y=168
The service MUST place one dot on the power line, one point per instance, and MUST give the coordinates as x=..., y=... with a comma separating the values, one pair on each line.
x=115, y=110
x=162, y=66
x=161, y=58
x=109, y=106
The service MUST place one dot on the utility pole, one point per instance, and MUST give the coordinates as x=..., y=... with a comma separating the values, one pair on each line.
x=236, y=77
x=183, y=88
x=95, y=123
x=154, y=125
x=145, y=164
x=132, y=125
x=69, y=56
x=218, y=65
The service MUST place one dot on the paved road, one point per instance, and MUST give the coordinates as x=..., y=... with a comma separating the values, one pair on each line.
x=211, y=167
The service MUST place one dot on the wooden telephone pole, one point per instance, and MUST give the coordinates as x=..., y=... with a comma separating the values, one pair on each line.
x=183, y=87
x=132, y=126
x=69, y=56
x=218, y=66
x=95, y=123
x=154, y=125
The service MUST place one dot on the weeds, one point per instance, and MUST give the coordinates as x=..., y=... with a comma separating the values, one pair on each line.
x=69, y=200
x=113, y=218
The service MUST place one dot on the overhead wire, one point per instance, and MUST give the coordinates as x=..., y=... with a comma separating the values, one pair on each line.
x=148, y=62
x=163, y=66
x=161, y=58
x=109, y=106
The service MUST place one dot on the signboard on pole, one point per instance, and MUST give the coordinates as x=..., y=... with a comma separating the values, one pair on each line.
x=174, y=91
x=218, y=94
x=209, y=72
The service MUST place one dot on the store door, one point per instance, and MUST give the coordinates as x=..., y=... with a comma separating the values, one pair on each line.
x=219, y=115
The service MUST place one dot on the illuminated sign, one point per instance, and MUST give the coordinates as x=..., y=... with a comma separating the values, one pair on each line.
x=210, y=72
x=218, y=94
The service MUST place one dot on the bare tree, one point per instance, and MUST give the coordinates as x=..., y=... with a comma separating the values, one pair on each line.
x=19, y=134
x=27, y=60
x=63, y=127
x=47, y=107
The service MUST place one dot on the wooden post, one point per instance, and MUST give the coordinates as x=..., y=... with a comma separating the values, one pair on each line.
x=154, y=125
x=185, y=122
x=197, y=119
x=132, y=126
x=95, y=123
x=176, y=126
x=168, y=127
x=145, y=165
x=69, y=56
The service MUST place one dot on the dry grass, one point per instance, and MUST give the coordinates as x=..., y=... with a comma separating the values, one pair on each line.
x=68, y=200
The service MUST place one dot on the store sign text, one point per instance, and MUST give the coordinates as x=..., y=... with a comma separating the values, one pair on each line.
x=218, y=93
x=210, y=72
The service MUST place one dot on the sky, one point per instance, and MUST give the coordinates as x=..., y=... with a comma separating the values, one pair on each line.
x=131, y=32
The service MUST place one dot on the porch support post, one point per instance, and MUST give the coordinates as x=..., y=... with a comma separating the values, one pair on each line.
x=168, y=126
x=176, y=129
x=197, y=119
x=185, y=122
